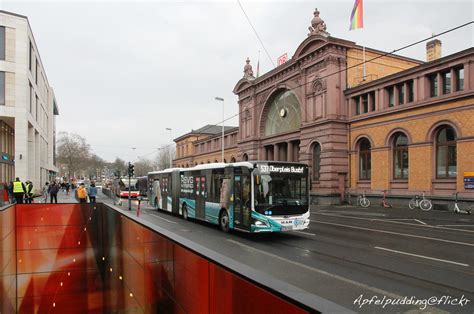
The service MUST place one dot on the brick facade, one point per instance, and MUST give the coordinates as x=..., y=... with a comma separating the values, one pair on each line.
x=324, y=89
x=420, y=121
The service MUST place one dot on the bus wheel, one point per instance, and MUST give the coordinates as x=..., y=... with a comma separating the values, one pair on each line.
x=185, y=212
x=224, y=221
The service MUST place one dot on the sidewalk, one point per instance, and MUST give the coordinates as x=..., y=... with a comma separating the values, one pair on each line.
x=378, y=212
x=374, y=211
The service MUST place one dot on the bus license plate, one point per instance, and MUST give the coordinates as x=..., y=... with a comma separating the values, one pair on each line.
x=287, y=225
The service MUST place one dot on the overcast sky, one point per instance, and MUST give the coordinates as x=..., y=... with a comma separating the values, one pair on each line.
x=123, y=71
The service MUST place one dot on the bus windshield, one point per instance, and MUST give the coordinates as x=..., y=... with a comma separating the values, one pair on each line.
x=124, y=184
x=280, y=190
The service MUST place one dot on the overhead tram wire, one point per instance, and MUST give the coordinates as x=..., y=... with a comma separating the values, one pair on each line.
x=256, y=34
x=343, y=70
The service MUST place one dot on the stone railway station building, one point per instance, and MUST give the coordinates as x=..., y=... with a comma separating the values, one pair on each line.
x=400, y=124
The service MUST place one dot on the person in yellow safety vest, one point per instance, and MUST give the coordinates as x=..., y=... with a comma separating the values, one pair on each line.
x=18, y=190
x=82, y=193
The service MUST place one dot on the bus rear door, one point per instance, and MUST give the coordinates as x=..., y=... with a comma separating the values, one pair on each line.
x=200, y=197
x=237, y=200
x=164, y=193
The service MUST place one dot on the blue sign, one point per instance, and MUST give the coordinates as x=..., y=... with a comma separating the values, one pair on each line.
x=469, y=186
x=5, y=157
x=468, y=179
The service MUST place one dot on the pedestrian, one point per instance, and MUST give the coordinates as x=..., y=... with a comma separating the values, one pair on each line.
x=68, y=187
x=5, y=195
x=44, y=192
x=82, y=193
x=19, y=190
x=92, y=193
x=53, y=192
x=29, y=192
x=10, y=193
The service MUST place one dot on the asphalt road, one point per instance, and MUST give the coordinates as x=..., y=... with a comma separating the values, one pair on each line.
x=367, y=260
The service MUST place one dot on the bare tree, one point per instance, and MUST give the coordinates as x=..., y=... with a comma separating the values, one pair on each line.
x=95, y=165
x=120, y=166
x=143, y=166
x=73, y=153
x=162, y=161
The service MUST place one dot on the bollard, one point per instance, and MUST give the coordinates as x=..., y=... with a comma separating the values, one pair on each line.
x=138, y=208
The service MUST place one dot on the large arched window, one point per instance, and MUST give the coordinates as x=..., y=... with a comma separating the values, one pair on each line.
x=284, y=114
x=365, y=162
x=400, y=156
x=316, y=161
x=446, y=164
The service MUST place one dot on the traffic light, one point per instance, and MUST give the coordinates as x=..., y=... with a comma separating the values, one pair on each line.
x=131, y=170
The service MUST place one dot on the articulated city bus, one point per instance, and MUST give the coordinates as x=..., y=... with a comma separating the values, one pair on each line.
x=259, y=196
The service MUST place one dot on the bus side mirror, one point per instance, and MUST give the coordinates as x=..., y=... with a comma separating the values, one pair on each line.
x=257, y=179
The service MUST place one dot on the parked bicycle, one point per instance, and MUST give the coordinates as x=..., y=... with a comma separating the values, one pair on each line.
x=363, y=201
x=385, y=203
x=459, y=210
x=422, y=203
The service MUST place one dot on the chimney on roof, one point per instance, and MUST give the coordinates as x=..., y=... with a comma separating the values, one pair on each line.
x=433, y=50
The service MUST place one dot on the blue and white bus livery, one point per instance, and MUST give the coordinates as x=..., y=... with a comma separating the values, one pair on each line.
x=260, y=196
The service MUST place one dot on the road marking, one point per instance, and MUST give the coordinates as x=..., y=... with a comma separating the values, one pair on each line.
x=397, y=233
x=395, y=219
x=173, y=222
x=311, y=234
x=455, y=226
x=421, y=222
x=395, y=222
x=422, y=256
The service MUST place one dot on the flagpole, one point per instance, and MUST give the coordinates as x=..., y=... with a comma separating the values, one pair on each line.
x=357, y=21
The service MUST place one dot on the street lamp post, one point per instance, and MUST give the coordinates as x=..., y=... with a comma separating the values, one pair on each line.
x=222, y=99
x=171, y=136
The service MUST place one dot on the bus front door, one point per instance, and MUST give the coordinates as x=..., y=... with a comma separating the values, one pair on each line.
x=200, y=189
x=241, y=201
